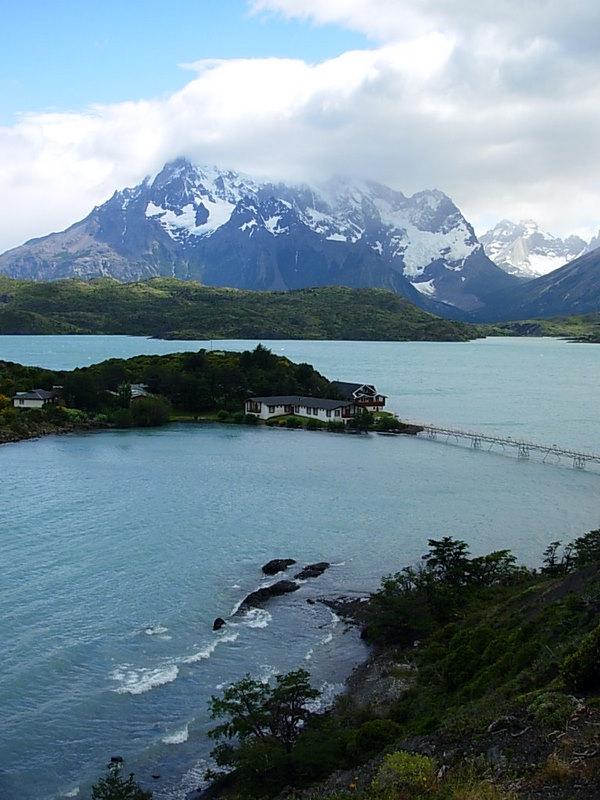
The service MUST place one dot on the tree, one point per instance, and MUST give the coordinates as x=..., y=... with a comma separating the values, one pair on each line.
x=149, y=412
x=114, y=787
x=257, y=712
x=124, y=395
x=587, y=548
x=447, y=560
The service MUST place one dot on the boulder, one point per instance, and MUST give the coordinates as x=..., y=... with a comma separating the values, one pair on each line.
x=277, y=565
x=261, y=596
x=218, y=623
x=312, y=570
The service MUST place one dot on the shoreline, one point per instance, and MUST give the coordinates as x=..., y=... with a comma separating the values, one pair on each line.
x=370, y=684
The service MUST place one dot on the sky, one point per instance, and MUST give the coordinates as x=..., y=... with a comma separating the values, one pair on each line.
x=495, y=103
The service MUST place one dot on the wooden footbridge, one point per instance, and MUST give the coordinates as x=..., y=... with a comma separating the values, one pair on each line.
x=553, y=454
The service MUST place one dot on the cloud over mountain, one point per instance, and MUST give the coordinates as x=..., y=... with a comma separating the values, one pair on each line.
x=498, y=105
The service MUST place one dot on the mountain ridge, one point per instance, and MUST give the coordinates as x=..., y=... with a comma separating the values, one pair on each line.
x=226, y=229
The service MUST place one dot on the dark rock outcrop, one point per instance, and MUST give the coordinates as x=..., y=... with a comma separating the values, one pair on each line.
x=277, y=565
x=218, y=623
x=312, y=570
x=261, y=596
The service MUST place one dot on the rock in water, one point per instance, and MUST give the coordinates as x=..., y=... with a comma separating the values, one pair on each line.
x=261, y=596
x=277, y=565
x=312, y=570
x=218, y=623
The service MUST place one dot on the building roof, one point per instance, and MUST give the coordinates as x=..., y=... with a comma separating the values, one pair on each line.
x=349, y=389
x=36, y=394
x=307, y=402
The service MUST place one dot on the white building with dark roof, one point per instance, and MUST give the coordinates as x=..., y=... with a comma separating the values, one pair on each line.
x=283, y=405
x=36, y=398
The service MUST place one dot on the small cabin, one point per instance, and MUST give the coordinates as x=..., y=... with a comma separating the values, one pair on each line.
x=36, y=398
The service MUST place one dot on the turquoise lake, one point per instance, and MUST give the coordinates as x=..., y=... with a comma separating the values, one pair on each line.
x=120, y=548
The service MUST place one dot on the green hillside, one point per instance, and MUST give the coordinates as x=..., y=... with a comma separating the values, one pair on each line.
x=173, y=309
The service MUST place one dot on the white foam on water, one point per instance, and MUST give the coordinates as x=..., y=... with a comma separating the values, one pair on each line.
x=329, y=692
x=257, y=618
x=138, y=681
x=71, y=793
x=155, y=630
x=209, y=649
x=236, y=608
x=309, y=655
x=327, y=639
x=267, y=672
x=178, y=737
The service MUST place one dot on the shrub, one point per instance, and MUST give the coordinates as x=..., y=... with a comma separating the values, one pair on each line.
x=114, y=787
x=222, y=415
x=372, y=737
x=551, y=709
x=76, y=416
x=149, y=412
x=581, y=669
x=122, y=418
x=293, y=422
x=407, y=775
x=251, y=419
x=336, y=426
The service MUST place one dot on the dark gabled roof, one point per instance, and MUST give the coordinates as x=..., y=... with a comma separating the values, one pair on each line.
x=348, y=389
x=296, y=400
x=36, y=394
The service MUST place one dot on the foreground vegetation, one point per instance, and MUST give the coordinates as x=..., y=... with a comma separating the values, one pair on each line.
x=172, y=309
x=500, y=672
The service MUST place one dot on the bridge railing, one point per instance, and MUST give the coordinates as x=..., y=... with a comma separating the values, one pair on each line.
x=523, y=447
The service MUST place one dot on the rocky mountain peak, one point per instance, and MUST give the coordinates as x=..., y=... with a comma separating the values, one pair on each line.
x=522, y=249
x=225, y=228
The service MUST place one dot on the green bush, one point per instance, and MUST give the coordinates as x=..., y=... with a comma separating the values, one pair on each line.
x=150, y=412
x=410, y=776
x=372, y=737
x=293, y=422
x=222, y=415
x=122, y=418
x=114, y=787
x=551, y=710
x=581, y=669
x=76, y=416
x=251, y=419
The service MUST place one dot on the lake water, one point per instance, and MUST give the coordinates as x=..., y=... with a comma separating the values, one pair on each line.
x=120, y=548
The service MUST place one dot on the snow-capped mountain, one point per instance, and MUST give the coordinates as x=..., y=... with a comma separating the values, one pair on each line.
x=226, y=229
x=522, y=249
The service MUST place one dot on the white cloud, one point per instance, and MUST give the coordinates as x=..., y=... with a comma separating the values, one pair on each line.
x=498, y=105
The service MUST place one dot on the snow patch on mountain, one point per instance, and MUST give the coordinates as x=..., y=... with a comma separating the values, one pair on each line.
x=425, y=287
x=522, y=249
x=412, y=233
